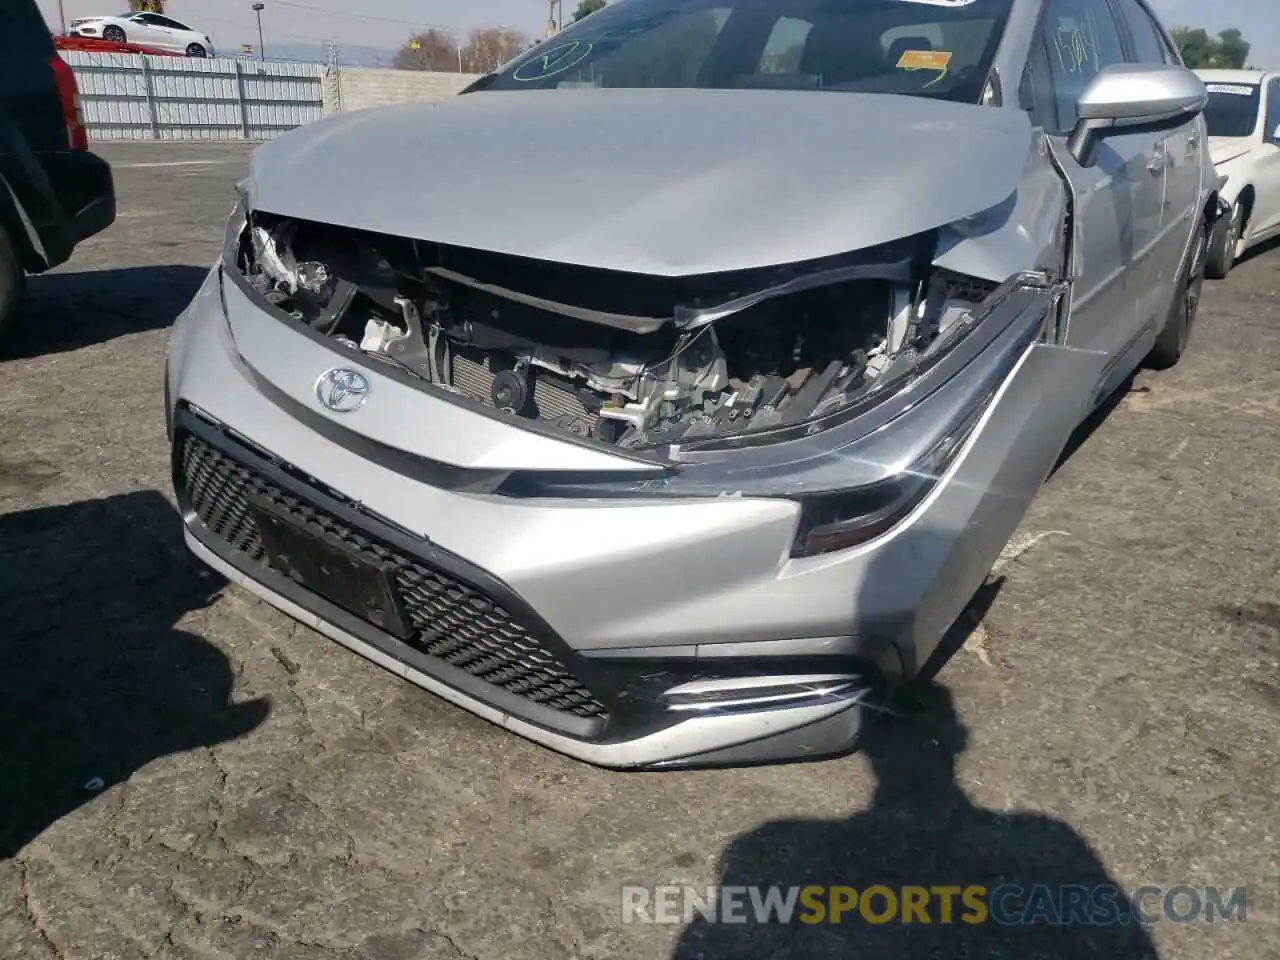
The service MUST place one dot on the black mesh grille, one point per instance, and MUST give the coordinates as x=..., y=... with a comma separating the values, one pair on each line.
x=455, y=622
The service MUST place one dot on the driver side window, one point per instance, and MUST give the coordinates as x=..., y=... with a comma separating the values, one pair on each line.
x=1078, y=39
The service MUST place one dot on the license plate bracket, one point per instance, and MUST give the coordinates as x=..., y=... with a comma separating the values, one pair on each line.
x=359, y=584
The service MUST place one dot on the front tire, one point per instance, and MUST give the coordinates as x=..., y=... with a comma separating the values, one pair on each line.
x=195, y=50
x=13, y=284
x=1222, y=248
x=114, y=34
x=1172, y=341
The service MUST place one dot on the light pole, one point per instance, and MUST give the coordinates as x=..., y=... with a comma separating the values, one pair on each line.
x=258, y=8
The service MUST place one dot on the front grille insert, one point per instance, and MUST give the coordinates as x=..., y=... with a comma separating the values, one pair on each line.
x=455, y=622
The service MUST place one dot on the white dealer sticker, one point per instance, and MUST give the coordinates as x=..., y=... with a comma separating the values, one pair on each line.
x=943, y=3
x=1239, y=91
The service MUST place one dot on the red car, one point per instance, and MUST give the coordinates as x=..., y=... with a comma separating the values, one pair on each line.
x=91, y=45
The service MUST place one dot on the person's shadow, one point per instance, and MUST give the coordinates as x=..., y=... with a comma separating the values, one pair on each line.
x=922, y=831
x=95, y=681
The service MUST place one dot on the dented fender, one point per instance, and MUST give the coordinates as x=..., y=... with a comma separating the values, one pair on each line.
x=1025, y=232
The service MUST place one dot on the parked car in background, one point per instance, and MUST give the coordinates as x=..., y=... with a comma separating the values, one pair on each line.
x=1243, y=116
x=146, y=29
x=708, y=446
x=54, y=192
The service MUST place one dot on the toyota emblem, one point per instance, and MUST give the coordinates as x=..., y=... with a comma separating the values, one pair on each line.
x=342, y=390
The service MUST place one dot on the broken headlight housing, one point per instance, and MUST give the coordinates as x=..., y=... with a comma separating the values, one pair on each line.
x=830, y=522
x=865, y=473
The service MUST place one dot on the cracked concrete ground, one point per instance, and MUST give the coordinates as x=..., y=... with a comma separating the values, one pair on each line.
x=265, y=793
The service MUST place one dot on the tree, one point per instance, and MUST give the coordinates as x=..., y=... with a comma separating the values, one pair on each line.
x=431, y=50
x=490, y=48
x=146, y=6
x=588, y=7
x=1234, y=47
x=1228, y=50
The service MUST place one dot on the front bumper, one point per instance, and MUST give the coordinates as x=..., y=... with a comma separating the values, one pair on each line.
x=628, y=633
x=490, y=653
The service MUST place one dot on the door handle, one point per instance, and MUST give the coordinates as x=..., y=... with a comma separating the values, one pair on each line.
x=1159, y=159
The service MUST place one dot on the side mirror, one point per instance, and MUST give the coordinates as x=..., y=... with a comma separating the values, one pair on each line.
x=1134, y=98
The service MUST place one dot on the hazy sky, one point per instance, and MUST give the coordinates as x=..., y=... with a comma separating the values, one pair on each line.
x=387, y=23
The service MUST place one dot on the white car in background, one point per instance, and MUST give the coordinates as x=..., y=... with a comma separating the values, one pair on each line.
x=1243, y=118
x=145, y=29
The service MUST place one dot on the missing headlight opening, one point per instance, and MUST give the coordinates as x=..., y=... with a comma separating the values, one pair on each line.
x=629, y=360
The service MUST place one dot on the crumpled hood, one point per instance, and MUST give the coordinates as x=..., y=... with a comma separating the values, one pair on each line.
x=1224, y=149
x=664, y=182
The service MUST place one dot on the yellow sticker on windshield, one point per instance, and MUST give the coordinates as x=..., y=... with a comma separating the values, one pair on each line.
x=925, y=60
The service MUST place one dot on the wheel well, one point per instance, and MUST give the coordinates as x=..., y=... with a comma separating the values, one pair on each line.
x=11, y=223
x=1246, y=201
x=1211, y=208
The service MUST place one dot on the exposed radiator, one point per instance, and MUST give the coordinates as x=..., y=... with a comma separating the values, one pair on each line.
x=555, y=398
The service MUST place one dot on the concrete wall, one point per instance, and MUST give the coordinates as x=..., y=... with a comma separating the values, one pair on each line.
x=360, y=87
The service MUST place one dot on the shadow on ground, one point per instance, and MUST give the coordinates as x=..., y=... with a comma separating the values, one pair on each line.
x=922, y=871
x=921, y=830
x=95, y=681
x=67, y=311
x=1090, y=424
x=1261, y=250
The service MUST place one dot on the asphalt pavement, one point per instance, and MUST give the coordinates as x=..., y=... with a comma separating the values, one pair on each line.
x=185, y=772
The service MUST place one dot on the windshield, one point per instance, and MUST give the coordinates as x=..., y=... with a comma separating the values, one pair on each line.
x=927, y=48
x=1232, y=110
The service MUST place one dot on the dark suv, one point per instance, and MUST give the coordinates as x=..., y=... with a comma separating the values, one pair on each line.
x=54, y=193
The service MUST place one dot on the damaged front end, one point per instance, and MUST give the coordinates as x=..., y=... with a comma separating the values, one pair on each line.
x=632, y=361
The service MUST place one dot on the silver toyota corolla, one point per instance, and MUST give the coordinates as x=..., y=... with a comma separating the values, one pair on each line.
x=664, y=397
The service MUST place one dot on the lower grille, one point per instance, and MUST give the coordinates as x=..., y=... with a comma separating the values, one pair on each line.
x=453, y=621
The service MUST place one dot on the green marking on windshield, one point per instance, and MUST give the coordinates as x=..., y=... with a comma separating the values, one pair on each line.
x=551, y=62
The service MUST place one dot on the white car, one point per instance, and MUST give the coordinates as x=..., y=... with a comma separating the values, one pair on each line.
x=1243, y=118
x=146, y=29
